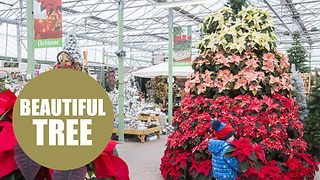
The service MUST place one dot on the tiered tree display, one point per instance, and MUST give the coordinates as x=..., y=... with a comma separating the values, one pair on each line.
x=298, y=93
x=298, y=54
x=240, y=78
x=312, y=122
x=72, y=47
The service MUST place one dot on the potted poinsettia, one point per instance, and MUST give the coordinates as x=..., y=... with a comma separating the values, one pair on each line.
x=15, y=164
x=247, y=154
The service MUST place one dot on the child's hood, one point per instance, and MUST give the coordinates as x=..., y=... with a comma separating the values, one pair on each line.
x=215, y=146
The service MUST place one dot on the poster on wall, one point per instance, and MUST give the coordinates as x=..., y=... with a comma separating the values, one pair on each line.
x=47, y=23
x=182, y=41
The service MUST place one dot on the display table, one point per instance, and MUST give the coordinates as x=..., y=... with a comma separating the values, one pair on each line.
x=140, y=133
x=146, y=118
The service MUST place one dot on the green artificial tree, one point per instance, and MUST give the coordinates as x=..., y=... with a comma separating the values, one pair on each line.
x=107, y=87
x=298, y=54
x=312, y=122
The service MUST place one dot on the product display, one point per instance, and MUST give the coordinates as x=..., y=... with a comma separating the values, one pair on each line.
x=240, y=78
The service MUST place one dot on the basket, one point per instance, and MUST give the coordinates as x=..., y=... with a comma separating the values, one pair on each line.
x=67, y=61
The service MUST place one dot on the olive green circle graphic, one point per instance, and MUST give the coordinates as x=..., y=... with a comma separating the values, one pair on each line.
x=74, y=150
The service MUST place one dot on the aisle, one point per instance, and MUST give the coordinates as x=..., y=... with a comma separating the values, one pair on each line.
x=317, y=175
x=143, y=159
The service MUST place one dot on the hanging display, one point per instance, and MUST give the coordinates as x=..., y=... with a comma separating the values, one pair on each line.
x=47, y=23
x=182, y=41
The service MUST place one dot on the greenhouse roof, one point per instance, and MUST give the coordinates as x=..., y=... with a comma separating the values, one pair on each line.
x=146, y=25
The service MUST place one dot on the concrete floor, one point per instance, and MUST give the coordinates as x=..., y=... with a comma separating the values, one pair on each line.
x=143, y=159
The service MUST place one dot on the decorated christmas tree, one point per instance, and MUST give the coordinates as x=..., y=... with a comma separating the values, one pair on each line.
x=298, y=93
x=298, y=54
x=312, y=122
x=72, y=47
x=239, y=78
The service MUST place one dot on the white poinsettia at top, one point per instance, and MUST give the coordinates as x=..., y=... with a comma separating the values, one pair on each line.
x=250, y=29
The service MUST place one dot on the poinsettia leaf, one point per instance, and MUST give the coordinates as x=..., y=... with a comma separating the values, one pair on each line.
x=7, y=162
x=4, y=117
x=243, y=91
x=230, y=149
x=202, y=176
x=257, y=165
x=252, y=156
x=243, y=165
x=28, y=168
x=195, y=173
x=7, y=137
x=9, y=177
x=79, y=173
x=228, y=154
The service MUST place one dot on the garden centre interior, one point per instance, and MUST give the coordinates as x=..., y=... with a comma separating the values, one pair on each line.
x=161, y=59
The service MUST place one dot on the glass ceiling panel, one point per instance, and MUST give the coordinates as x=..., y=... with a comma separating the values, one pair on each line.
x=289, y=16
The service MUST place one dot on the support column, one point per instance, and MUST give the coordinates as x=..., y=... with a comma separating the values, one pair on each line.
x=310, y=58
x=103, y=77
x=121, y=71
x=18, y=43
x=19, y=33
x=170, y=66
x=30, y=38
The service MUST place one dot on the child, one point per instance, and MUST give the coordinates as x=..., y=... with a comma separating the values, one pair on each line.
x=223, y=167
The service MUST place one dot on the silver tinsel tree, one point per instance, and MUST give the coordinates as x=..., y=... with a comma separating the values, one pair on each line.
x=298, y=92
x=72, y=47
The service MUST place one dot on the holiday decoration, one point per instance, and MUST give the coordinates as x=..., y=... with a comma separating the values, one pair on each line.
x=67, y=61
x=240, y=79
x=298, y=93
x=312, y=121
x=71, y=46
x=298, y=54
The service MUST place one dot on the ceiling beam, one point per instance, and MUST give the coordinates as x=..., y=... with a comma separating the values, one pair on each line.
x=275, y=12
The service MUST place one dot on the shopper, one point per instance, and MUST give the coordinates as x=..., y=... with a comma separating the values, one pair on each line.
x=223, y=167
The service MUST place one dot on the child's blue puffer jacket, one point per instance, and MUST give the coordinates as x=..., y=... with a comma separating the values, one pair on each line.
x=223, y=167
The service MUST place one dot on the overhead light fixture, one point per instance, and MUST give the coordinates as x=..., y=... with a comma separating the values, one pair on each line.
x=183, y=3
x=158, y=43
x=76, y=15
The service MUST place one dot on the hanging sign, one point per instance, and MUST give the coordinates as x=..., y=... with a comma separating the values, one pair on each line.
x=182, y=63
x=47, y=23
x=182, y=41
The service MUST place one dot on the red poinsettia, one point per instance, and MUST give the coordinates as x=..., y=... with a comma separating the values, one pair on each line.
x=7, y=143
x=243, y=148
x=7, y=100
x=51, y=6
x=108, y=165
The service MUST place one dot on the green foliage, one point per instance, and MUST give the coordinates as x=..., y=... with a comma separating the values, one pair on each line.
x=312, y=122
x=177, y=30
x=236, y=5
x=298, y=55
x=107, y=87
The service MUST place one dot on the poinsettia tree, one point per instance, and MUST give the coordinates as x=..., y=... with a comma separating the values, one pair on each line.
x=241, y=79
